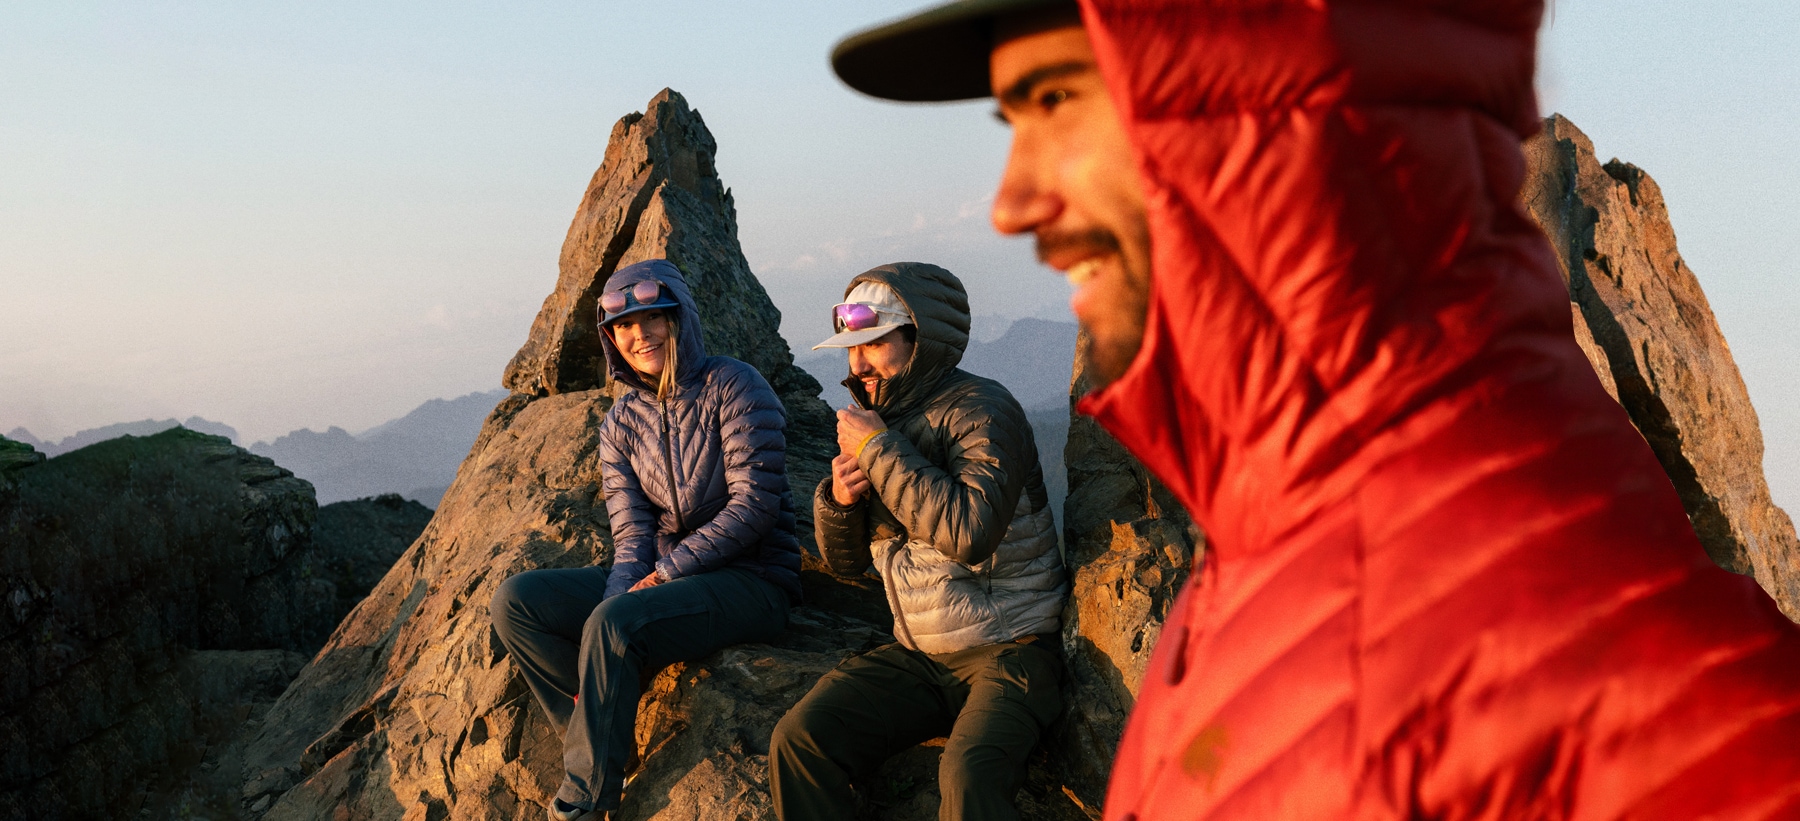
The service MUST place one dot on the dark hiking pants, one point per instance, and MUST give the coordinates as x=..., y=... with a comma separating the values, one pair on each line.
x=992, y=701
x=568, y=643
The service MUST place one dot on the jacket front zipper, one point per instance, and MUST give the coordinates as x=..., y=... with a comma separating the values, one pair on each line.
x=669, y=465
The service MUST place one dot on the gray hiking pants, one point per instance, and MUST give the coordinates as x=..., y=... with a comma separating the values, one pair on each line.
x=575, y=650
x=992, y=701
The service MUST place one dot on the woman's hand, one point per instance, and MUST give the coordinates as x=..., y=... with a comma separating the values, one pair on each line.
x=647, y=582
x=854, y=428
x=848, y=482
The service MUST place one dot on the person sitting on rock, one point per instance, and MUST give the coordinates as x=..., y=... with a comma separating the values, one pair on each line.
x=704, y=549
x=937, y=486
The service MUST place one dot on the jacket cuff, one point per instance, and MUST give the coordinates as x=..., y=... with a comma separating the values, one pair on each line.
x=829, y=499
x=876, y=443
x=823, y=495
x=667, y=569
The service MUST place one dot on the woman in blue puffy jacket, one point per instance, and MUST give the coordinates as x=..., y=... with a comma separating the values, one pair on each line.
x=704, y=552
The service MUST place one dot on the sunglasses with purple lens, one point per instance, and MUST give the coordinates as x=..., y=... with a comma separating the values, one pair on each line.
x=854, y=316
x=646, y=292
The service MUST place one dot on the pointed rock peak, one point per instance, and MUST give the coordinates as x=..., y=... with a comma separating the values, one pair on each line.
x=666, y=144
x=657, y=194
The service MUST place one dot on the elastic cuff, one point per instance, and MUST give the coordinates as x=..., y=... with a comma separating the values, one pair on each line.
x=667, y=570
x=831, y=499
x=865, y=442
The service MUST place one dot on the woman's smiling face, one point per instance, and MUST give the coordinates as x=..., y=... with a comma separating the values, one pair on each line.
x=641, y=337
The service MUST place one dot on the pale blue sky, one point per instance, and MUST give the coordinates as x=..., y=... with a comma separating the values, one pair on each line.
x=300, y=217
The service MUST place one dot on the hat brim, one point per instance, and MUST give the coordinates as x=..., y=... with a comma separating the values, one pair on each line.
x=851, y=339
x=629, y=310
x=937, y=55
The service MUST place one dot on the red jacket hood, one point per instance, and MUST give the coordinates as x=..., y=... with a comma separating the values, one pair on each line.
x=1336, y=243
x=1445, y=576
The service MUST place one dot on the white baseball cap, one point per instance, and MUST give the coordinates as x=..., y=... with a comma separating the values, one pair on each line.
x=890, y=313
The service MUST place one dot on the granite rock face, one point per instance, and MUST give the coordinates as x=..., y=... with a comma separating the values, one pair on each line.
x=412, y=709
x=1129, y=546
x=120, y=560
x=1672, y=368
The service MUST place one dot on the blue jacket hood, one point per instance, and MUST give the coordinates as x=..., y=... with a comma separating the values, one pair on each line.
x=690, y=347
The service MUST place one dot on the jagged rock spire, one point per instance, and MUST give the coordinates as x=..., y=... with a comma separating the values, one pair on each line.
x=1672, y=368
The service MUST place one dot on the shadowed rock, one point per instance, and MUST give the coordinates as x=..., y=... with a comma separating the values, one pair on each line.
x=120, y=560
x=1672, y=368
x=356, y=542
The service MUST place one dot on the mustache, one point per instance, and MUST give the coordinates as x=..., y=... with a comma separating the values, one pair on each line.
x=1087, y=241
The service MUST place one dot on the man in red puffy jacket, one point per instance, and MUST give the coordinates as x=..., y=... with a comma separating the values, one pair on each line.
x=1445, y=576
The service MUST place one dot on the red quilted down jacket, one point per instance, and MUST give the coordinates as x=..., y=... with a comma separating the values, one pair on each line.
x=1446, y=577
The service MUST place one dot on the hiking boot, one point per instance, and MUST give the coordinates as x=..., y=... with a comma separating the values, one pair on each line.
x=568, y=812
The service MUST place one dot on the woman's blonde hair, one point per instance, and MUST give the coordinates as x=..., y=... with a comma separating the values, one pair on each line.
x=665, y=386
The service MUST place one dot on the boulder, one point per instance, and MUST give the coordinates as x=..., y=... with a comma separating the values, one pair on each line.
x=1643, y=307
x=119, y=560
x=412, y=709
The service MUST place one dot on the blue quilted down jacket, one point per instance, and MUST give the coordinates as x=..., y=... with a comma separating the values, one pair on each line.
x=698, y=481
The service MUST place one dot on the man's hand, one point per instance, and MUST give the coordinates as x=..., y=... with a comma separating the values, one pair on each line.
x=855, y=426
x=848, y=482
x=647, y=582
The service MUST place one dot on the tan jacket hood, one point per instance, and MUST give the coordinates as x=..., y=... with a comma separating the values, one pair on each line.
x=940, y=309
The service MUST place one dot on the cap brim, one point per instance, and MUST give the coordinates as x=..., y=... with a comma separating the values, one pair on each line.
x=851, y=339
x=655, y=306
x=937, y=55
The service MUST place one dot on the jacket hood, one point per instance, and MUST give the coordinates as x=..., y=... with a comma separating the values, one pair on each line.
x=690, y=348
x=1358, y=278
x=1438, y=556
x=940, y=308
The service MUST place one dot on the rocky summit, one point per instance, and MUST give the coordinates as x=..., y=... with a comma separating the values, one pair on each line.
x=160, y=591
x=1654, y=341
x=412, y=709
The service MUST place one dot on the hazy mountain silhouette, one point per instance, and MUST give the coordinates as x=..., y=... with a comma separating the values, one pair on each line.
x=143, y=427
x=415, y=455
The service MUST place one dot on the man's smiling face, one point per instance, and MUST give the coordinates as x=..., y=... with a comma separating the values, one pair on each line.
x=1072, y=182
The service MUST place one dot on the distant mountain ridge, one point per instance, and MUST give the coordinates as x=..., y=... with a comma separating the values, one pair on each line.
x=142, y=427
x=415, y=455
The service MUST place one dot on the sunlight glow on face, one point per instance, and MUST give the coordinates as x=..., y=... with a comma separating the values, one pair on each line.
x=640, y=338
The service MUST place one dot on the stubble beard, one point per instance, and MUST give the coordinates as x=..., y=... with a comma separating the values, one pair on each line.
x=1115, y=332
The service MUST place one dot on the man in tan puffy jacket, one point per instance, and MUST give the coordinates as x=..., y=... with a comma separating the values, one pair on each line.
x=937, y=487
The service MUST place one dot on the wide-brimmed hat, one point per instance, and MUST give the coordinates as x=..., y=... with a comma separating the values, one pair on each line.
x=884, y=309
x=936, y=55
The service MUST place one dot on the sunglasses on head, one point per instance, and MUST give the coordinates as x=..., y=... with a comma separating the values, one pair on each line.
x=854, y=316
x=646, y=292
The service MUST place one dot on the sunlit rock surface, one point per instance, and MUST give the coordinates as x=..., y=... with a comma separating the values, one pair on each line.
x=413, y=709
x=1669, y=364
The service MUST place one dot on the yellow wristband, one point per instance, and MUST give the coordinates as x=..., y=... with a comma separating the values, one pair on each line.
x=865, y=442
